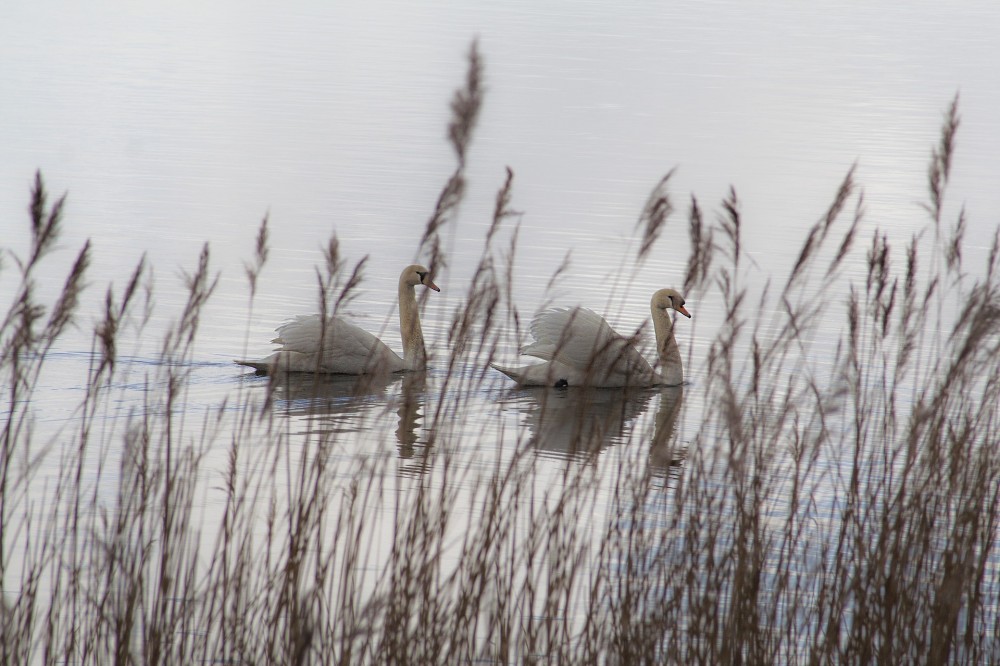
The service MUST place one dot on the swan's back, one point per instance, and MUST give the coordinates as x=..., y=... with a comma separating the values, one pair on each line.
x=584, y=341
x=336, y=346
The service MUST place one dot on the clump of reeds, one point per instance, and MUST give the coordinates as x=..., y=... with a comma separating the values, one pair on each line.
x=826, y=510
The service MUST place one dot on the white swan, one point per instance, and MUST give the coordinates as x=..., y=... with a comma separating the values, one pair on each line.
x=340, y=347
x=581, y=349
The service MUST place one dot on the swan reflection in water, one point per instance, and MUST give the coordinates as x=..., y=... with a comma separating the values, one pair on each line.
x=666, y=454
x=582, y=422
x=409, y=411
x=341, y=403
x=316, y=394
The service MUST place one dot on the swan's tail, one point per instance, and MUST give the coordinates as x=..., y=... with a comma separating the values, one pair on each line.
x=279, y=361
x=510, y=372
x=538, y=374
x=262, y=367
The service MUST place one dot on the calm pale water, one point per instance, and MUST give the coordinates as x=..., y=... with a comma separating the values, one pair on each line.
x=176, y=125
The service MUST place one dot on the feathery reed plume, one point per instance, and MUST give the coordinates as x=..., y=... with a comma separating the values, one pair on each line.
x=45, y=223
x=700, y=260
x=465, y=107
x=106, y=332
x=69, y=298
x=940, y=168
x=819, y=232
x=731, y=224
x=261, y=250
x=654, y=215
x=332, y=287
x=502, y=209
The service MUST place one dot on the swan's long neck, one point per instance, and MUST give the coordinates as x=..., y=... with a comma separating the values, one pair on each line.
x=671, y=365
x=414, y=354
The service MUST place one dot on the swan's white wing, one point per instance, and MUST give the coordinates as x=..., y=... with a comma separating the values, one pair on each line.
x=569, y=333
x=343, y=347
x=583, y=340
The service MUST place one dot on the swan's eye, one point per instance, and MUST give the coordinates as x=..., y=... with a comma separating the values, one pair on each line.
x=421, y=275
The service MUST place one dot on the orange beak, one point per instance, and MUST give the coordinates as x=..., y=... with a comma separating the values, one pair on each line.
x=430, y=285
x=683, y=311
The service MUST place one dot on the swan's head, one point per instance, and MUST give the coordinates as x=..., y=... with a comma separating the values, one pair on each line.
x=669, y=299
x=416, y=274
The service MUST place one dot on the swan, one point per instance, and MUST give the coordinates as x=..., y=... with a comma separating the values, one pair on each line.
x=581, y=349
x=340, y=347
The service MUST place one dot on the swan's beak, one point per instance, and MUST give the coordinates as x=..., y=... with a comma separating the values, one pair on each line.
x=683, y=311
x=430, y=285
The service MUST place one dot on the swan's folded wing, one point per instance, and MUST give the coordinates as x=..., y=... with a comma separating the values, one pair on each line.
x=582, y=339
x=545, y=327
x=573, y=335
x=301, y=334
x=345, y=347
